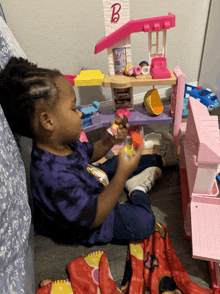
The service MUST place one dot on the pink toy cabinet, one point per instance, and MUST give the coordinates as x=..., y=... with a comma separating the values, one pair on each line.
x=199, y=159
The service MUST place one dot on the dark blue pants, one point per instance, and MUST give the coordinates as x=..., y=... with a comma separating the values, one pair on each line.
x=133, y=220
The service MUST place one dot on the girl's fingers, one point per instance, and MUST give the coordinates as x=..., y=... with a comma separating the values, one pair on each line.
x=139, y=151
x=112, y=122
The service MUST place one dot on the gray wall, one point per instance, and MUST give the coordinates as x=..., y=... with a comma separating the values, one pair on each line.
x=63, y=35
x=210, y=69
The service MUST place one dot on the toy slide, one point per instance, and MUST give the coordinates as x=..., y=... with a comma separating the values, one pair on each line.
x=152, y=102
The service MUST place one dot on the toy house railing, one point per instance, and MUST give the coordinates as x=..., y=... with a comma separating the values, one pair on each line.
x=202, y=149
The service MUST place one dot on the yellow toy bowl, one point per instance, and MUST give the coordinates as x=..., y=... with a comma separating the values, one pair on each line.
x=152, y=102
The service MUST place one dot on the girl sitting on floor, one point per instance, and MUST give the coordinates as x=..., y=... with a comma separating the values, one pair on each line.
x=74, y=200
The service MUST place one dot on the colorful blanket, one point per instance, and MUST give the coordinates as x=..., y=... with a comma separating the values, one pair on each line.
x=152, y=267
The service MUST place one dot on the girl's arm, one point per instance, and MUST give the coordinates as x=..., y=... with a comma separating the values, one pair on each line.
x=102, y=147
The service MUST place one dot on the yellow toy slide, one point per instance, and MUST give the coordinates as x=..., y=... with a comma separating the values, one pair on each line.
x=152, y=102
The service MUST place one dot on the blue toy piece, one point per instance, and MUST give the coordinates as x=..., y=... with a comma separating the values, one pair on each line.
x=87, y=113
x=205, y=96
x=143, y=62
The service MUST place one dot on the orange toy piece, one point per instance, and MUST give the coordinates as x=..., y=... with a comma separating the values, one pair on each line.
x=152, y=102
x=137, y=139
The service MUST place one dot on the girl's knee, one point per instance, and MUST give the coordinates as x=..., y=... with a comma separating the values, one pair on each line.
x=147, y=227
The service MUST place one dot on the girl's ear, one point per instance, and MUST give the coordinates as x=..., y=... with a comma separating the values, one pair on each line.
x=46, y=121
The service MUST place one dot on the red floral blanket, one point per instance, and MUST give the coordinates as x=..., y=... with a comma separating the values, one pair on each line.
x=152, y=267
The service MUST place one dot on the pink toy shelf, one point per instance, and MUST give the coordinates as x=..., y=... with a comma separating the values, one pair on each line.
x=199, y=159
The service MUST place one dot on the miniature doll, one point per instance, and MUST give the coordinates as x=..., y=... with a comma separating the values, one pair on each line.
x=120, y=122
x=133, y=143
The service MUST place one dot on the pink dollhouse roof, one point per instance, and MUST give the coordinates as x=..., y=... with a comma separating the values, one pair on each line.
x=135, y=26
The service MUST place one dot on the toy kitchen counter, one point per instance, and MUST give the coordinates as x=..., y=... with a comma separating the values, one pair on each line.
x=123, y=81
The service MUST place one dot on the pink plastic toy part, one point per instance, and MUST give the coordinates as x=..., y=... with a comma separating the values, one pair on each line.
x=159, y=68
x=125, y=112
x=135, y=26
x=137, y=70
x=176, y=105
x=130, y=71
x=83, y=137
x=71, y=79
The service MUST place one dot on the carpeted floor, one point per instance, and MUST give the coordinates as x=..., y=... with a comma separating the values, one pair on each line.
x=51, y=259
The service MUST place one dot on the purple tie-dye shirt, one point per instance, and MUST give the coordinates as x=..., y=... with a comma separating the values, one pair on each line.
x=66, y=192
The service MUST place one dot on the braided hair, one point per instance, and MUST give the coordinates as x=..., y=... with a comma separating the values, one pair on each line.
x=22, y=86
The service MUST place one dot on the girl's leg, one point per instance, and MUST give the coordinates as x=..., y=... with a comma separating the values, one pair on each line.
x=134, y=220
x=147, y=160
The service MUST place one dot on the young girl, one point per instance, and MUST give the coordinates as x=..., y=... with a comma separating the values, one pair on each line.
x=75, y=201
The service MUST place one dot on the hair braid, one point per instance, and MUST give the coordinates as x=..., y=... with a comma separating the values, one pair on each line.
x=22, y=85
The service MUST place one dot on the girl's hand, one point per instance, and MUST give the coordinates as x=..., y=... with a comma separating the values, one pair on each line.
x=128, y=166
x=121, y=134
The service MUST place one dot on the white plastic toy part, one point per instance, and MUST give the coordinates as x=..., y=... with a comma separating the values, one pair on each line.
x=145, y=70
x=154, y=137
x=148, y=144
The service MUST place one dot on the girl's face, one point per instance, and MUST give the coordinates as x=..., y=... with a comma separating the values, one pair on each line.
x=67, y=117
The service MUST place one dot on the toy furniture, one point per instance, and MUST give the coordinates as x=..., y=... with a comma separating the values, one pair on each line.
x=199, y=159
x=139, y=115
x=159, y=68
x=152, y=102
x=87, y=112
x=117, y=39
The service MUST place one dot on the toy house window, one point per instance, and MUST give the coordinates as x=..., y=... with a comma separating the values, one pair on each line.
x=157, y=44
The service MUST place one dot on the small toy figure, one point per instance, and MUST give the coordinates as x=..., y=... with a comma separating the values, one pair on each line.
x=145, y=68
x=132, y=70
x=128, y=148
x=133, y=143
x=120, y=122
x=129, y=69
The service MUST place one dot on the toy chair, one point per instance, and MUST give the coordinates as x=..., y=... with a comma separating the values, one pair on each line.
x=159, y=68
x=152, y=102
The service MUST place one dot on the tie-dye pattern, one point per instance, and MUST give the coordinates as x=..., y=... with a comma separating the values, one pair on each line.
x=66, y=192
